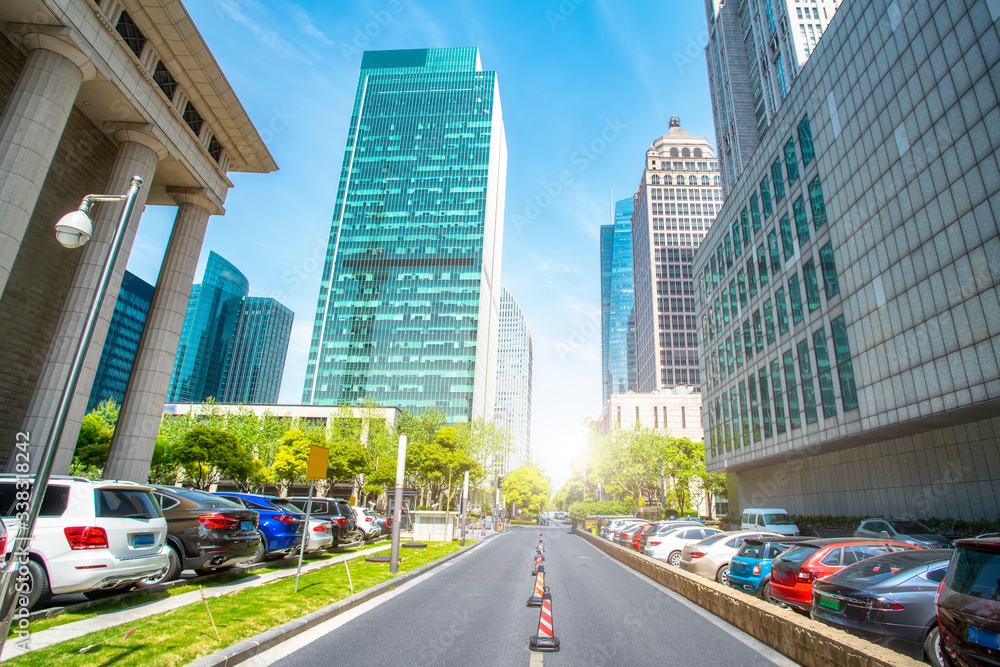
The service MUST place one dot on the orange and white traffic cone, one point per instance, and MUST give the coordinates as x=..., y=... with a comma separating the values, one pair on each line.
x=538, y=565
x=536, y=598
x=545, y=640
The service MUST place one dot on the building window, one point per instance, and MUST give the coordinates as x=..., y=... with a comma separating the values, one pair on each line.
x=754, y=214
x=793, y=395
x=816, y=202
x=728, y=245
x=795, y=295
x=765, y=197
x=805, y=375
x=741, y=281
x=765, y=402
x=772, y=243
x=737, y=246
x=745, y=227
x=722, y=361
x=131, y=34
x=791, y=163
x=214, y=148
x=779, y=400
x=812, y=285
x=779, y=183
x=751, y=277
x=806, y=141
x=769, y=321
x=824, y=374
x=747, y=340
x=744, y=421
x=730, y=358
x=736, y=419
x=762, y=264
x=754, y=408
x=192, y=118
x=655, y=180
x=779, y=298
x=845, y=370
x=830, y=283
x=726, y=424
x=757, y=335
x=738, y=348
x=787, y=242
x=801, y=222
x=164, y=80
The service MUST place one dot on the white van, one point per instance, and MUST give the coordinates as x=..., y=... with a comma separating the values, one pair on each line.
x=771, y=519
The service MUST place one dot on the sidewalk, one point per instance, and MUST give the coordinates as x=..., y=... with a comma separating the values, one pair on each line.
x=69, y=631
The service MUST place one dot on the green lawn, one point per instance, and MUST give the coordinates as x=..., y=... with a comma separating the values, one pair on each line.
x=178, y=637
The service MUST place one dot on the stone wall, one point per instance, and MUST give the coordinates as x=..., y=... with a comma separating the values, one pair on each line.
x=803, y=640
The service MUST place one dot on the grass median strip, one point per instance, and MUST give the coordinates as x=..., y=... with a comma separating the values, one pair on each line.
x=185, y=634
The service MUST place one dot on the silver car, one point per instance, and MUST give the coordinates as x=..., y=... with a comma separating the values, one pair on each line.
x=710, y=557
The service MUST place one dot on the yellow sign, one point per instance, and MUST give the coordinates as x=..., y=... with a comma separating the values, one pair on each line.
x=319, y=457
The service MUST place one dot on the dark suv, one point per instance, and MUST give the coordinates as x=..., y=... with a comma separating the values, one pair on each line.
x=338, y=512
x=969, y=603
x=204, y=532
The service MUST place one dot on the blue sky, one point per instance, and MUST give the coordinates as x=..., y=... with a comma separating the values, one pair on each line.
x=585, y=86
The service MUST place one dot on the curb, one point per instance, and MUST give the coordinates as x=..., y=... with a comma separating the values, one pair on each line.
x=248, y=648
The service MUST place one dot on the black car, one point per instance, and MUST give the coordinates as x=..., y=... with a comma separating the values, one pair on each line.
x=338, y=512
x=204, y=532
x=969, y=604
x=888, y=600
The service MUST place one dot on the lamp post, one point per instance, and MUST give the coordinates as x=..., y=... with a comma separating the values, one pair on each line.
x=72, y=231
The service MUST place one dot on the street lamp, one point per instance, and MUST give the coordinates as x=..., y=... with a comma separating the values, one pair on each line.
x=72, y=231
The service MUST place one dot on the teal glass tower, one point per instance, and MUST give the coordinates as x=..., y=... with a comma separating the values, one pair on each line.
x=409, y=302
x=618, y=303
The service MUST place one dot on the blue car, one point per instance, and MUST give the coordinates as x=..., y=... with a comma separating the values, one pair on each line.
x=281, y=524
x=750, y=568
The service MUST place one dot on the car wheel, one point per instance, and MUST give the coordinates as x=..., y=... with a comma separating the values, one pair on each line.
x=933, y=649
x=261, y=550
x=765, y=592
x=674, y=559
x=722, y=576
x=39, y=580
x=172, y=572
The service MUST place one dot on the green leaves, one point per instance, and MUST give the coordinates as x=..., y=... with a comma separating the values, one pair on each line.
x=528, y=488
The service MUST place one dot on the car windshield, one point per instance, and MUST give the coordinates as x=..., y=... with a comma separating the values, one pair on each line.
x=975, y=573
x=875, y=570
x=910, y=528
x=778, y=520
x=798, y=554
x=708, y=541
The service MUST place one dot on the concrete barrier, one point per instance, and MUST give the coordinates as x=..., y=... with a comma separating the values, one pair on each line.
x=801, y=639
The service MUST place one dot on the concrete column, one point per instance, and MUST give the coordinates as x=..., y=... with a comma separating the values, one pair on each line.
x=30, y=128
x=134, y=159
x=142, y=408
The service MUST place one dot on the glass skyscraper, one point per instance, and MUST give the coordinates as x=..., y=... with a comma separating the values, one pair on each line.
x=115, y=366
x=206, y=342
x=617, y=300
x=514, y=366
x=259, y=350
x=408, y=306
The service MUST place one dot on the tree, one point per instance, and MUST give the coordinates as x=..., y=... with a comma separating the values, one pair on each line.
x=163, y=468
x=293, y=457
x=205, y=453
x=94, y=441
x=528, y=488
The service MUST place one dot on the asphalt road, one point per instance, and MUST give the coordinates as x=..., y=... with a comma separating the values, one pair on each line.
x=472, y=612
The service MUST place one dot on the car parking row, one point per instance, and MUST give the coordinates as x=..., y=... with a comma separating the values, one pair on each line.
x=103, y=537
x=913, y=591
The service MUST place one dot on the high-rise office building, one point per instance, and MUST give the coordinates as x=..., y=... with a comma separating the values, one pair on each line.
x=756, y=49
x=514, y=365
x=260, y=346
x=848, y=291
x=122, y=341
x=209, y=330
x=618, y=303
x=408, y=305
x=677, y=200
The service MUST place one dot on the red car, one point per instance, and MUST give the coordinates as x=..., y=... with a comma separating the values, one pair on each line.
x=793, y=571
x=639, y=539
x=624, y=536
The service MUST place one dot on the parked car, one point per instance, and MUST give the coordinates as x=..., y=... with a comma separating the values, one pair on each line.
x=319, y=535
x=384, y=524
x=204, y=532
x=624, y=536
x=793, y=572
x=338, y=512
x=769, y=519
x=750, y=568
x=653, y=529
x=668, y=542
x=605, y=524
x=366, y=523
x=615, y=535
x=710, y=557
x=968, y=603
x=888, y=600
x=280, y=523
x=903, y=530
x=91, y=536
x=639, y=538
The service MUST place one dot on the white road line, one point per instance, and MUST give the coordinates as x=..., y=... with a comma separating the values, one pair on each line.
x=536, y=659
x=755, y=644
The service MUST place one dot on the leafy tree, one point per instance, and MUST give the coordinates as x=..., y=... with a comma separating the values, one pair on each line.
x=528, y=488
x=204, y=453
x=293, y=457
x=163, y=468
x=94, y=441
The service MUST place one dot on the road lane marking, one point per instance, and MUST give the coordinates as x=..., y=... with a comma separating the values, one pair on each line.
x=536, y=659
x=763, y=649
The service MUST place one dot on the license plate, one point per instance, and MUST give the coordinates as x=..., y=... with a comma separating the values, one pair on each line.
x=986, y=638
x=246, y=525
x=829, y=603
x=143, y=539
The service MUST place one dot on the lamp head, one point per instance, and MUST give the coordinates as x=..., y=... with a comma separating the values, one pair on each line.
x=74, y=229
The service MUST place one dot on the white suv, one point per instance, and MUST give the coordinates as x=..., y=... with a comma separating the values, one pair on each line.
x=367, y=523
x=91, y=536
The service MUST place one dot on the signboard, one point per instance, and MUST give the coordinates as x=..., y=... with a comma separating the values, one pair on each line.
x=319, y=457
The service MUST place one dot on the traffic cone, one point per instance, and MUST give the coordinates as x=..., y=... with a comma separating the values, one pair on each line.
x=545, y=640
x=536, y=598
x=538, y=565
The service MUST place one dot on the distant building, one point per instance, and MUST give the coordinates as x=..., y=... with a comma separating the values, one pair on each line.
x=618, y=349
x=407, y=312
x=514, y=366
x=259, y=350
x=676, y=411
x=678, y=197
x=124, y=332
x=755, y=51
